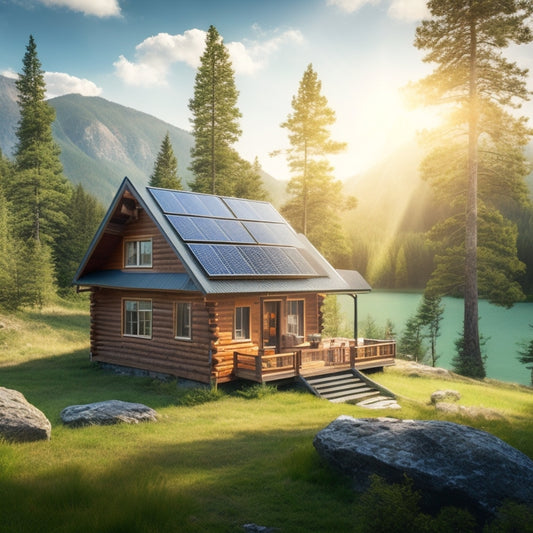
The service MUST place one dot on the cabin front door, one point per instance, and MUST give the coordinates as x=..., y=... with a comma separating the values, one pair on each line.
x=271, y=325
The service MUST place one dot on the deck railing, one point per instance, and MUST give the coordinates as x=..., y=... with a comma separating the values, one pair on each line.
x=268, y=367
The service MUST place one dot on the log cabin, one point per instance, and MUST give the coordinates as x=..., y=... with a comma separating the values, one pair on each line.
x=213, y=289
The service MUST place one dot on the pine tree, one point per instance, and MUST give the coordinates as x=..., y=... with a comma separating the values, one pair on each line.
x=526, y=355
x=429, y=315
x=411, y=342
x=249, y=183
x=38, y=190
x=85, y=214
x=34, y=274
x=215, y=120
x=316, y=198
x=165, y=173
x=464, y=38
x=7, y=252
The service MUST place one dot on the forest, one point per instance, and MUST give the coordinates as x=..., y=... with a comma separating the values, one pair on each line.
x=470, y=230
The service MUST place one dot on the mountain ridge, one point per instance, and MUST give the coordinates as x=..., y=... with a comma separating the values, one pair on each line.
x=103, y=141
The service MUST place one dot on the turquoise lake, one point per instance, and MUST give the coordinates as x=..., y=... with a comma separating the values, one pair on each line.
x=501, y=328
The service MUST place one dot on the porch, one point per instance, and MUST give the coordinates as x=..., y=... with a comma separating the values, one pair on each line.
x=330, y=355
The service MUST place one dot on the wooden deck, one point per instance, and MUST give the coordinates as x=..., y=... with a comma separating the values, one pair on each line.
x=330, y=356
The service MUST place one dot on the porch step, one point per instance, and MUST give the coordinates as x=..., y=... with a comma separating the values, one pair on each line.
x=349, y=386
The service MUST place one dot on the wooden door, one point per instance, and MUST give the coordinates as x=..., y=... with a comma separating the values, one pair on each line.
x=271, y=325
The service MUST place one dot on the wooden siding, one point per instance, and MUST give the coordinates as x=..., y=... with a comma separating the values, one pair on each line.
x=163, y=256
x=225, y=346
x=160, y=353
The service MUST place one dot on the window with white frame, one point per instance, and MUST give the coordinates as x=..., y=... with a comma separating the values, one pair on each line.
x=183, y=320
x=242, y=323
x=138, y=318
x=138, y=253
x=295, y=317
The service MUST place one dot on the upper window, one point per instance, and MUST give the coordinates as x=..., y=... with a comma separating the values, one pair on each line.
x=183, y=320
x=295, y=317
x=138, y=253
x=138, y=318
x=242, y=323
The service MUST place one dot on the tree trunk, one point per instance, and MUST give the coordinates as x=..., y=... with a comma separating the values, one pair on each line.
x=472, y=363
x=213, y=125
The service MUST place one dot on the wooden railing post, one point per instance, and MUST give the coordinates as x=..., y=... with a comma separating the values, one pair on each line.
x=259, y=367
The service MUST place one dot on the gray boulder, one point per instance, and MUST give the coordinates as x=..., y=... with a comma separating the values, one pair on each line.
x=449, y=463
x=20, y=421
x=107, y=413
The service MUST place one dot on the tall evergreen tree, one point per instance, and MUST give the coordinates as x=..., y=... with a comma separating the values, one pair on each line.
x=411, y=343
x=465, y=38
x=165, y=173
x=429, y=314
x=84, y=213
x=316, y=198
x=7, y=250
x=39, y=192
x=249, y=183
x=215, y=120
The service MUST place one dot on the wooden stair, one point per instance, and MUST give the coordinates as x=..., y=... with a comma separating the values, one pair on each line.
x=345, y=386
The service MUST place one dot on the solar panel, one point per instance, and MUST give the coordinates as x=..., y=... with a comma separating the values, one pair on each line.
x=272, y=233
x=168, y=201
x=232, y=257
x=188, y=203
x=203, y=229
x=186, y=228
x=253, y=210
x=234, y=237
x=299, y=260
x=259, y=260
x=209, y=259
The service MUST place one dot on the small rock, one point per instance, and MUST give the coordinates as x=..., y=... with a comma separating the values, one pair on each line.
x=472, y=412
x=107, y=413
x=254, y=528
x=20, y=421
x=379, y=402
x=445, y=396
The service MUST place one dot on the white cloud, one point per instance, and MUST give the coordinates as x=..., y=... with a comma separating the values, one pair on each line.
x=155, y=55
x=59, y=83
x=9, y=73
x=98, y=8
x=247, y=58
x=408, y=10
x=351, y=5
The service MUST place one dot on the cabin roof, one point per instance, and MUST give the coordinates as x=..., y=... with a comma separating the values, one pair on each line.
x=227, y=245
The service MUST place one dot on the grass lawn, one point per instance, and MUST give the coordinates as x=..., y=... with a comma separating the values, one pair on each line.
x=244, y=456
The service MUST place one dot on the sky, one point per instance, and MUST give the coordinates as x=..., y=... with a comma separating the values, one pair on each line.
x=144, y=55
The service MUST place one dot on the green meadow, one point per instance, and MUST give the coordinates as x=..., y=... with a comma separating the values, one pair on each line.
x=216, y=459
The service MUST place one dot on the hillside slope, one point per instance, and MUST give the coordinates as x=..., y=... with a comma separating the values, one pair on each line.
x=101, y=142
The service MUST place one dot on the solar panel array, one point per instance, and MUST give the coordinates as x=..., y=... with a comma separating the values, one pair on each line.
x=234, y=237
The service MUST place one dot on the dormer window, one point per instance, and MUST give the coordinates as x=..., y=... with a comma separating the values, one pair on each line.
x=138, y=253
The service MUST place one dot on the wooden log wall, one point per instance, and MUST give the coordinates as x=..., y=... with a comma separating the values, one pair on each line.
x=225, y=344
x=162, y=352
x=163, y=257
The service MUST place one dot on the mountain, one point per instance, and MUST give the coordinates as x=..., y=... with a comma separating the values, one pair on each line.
x=101, y=142
x=9, y=114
